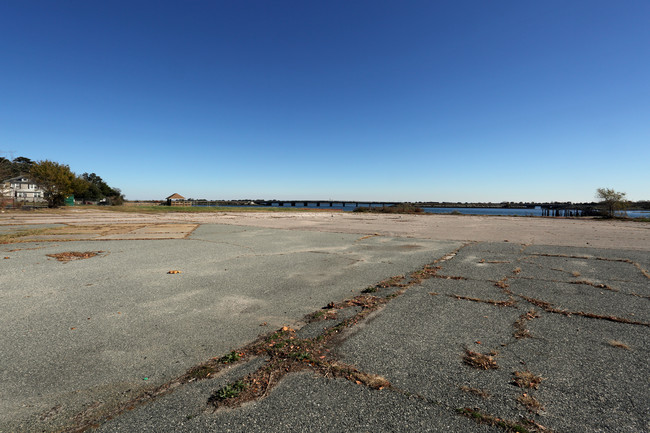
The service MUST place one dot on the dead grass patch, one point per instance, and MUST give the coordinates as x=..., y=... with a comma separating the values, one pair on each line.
x=521, y=331
x=16, y=237
x=502, y=283
x=526, y=379
x=482, y=361
x=374, y=381
x=429, y=271
x=618, y=344
x=596, y=285
x=367, y=237
x=530, y=403
x=511, y=302
x=524, y=426
x=321, y=315
x=74, y=255
x=550, y=308
x=475, y=391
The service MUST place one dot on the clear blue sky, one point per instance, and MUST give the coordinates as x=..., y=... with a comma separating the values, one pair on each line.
x=383, y=100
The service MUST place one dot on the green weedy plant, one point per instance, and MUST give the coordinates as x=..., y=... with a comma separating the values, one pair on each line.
x=230, y=391
x=229, y=358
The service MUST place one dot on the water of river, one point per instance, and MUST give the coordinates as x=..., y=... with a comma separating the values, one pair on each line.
x=537, y=211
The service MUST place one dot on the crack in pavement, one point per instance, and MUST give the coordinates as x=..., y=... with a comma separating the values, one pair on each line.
x=285, y=352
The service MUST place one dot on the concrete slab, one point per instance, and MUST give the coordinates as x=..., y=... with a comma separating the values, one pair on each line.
x=83, y=337
x=594, y=370
x=89, y=332
x=304, y=403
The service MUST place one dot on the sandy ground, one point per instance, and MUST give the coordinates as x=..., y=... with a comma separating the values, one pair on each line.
x=523, y=230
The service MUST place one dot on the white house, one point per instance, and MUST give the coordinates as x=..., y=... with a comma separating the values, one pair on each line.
x=21, y=188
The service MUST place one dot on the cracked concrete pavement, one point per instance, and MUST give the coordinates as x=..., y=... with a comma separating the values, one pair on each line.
x=576, y=318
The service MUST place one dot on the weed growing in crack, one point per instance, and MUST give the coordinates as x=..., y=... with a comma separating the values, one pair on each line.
x=429, y=271
x=548, y=307
x=596, y=285
x=320, y=316
x=479, y=392
x=395, y=281
x=229, y=391
x=201, y=372
x=230, y=358
x=285, y=354
x=530, y=403
x=374, y=381
x=526, y=379
x=511, y=302
x=520, y=325
x=480, y=417
x=483, y=361
x=502, y=283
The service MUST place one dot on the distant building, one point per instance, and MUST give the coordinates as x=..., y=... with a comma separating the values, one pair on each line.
x=177, y=200
x=21, y=188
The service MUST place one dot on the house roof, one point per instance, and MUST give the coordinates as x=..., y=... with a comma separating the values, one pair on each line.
x=175, y=196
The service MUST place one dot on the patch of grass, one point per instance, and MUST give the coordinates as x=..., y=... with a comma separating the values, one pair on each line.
x=201, y=372
x=618, y=344
x=526, y=379
x=370, y=289
x=233, y=356
x=482, y=361
x=301, y=356
x=404, y=208
x=321, y=315
x=9, y=238
x=231, y=390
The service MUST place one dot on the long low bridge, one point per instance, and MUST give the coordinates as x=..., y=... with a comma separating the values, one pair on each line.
x=325, y=203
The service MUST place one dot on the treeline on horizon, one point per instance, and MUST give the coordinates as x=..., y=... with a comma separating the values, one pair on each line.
x=58, y=181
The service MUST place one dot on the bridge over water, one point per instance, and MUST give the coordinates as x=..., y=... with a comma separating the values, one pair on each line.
x=326, y=203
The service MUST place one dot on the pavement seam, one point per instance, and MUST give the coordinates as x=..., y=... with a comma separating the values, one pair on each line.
x=303, y=354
